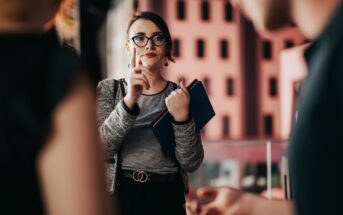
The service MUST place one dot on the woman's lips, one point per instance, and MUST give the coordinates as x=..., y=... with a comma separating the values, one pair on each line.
x=151, y=55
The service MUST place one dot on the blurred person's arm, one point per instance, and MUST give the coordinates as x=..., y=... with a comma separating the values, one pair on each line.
x=70, y=165
x=228, y=201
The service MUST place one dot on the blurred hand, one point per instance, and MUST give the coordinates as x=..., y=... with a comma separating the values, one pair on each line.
x=136, y=80
x=229, y=201
x=223, y=200
x=178, y=103
x=277, y=194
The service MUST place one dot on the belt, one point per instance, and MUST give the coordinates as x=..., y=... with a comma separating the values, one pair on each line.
x=143, y=176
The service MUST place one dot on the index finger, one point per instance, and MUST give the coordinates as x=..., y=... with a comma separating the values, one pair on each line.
x=138, y=60
x=133, y=58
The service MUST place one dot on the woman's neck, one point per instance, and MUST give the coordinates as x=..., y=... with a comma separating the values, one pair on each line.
x=156, y=82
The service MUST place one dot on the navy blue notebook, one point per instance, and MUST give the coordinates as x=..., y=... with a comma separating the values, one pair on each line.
x=200, y=108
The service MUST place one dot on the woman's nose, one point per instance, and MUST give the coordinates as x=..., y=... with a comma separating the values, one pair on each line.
x=150, y=45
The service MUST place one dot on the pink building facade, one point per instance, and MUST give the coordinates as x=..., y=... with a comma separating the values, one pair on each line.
x=273, y=69
x=207, y=47
x=240, y=69
x=248, y=77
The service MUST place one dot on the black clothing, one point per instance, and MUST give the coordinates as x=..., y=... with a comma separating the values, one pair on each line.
x=316, y=144
x=153, y=197
x=35, y=75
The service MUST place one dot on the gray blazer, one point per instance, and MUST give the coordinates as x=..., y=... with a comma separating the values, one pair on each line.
x=115, y=122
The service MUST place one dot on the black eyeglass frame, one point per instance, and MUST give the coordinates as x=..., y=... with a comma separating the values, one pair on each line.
x=148, y=38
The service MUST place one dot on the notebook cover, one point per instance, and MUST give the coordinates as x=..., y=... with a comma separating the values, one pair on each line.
x=200, y=108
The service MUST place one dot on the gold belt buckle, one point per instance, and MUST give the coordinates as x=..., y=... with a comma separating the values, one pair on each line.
x=140, y=176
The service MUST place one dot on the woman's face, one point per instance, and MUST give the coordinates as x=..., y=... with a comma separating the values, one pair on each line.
x=153, y=53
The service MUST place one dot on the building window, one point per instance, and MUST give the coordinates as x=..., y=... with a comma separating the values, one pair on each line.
x=226, y=126
x=273, y=87
x=228, y=12
x=176, y=48
x=289, y=44
x=268, y=125
x=224, y=49
x=207, y=85
x=267, y=50
x=200, y=48
x=181, y=10
x=230, y=87
x=205, y=10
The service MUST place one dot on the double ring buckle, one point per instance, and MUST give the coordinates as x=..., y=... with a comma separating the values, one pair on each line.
x=140, y=176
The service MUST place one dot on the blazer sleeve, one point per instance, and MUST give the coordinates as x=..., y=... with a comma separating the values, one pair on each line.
x=188, y=146
x=115, y=119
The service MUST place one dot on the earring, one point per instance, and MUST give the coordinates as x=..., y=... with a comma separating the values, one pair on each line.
x=166, y=62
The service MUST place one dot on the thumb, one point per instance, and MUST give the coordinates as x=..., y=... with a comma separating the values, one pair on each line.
x=184, y=88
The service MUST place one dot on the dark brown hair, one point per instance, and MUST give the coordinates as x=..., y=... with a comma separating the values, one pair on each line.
x=160, y=23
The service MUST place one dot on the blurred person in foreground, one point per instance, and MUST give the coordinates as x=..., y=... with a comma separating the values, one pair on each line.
x=67, y=24
x=315, y=151
x=50, y=156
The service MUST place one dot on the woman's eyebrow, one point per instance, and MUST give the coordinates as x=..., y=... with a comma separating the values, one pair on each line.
x=143, y=33
x=140, y=33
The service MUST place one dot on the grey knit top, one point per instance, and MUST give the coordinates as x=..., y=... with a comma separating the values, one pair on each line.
x=120, y=126
x=140, y=141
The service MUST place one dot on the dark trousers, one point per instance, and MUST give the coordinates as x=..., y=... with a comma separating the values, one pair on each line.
x=151, y=197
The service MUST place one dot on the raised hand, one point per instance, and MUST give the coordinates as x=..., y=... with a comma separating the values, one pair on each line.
x=136, y=80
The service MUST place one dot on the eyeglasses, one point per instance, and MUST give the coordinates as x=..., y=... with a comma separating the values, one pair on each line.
x=142, y=41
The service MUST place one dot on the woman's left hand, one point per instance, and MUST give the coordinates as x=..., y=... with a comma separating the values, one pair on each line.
x=178, y=103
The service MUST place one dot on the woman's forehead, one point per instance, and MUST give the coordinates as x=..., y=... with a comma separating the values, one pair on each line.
x=143, y=26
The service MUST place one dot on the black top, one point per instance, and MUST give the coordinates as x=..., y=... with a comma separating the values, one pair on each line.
x=35, y=75
x=316, y=150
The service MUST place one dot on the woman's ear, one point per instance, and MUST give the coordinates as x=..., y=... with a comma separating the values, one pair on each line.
x=127, y=47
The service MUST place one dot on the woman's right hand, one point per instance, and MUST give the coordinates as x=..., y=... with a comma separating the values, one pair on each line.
x=136, y=80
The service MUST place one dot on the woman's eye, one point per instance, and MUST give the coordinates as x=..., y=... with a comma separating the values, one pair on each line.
x=160, y=38
x=139, y=38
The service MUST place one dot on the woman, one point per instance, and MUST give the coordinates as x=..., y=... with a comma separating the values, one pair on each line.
x=50, y=158
x=148, y=182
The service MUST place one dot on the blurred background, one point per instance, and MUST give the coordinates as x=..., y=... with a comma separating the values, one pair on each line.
x=252, y=81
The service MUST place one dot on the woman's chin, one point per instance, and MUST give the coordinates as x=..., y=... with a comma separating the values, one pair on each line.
x=150, y=65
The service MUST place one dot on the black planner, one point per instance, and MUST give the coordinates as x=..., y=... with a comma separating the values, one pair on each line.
x=200, y=108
